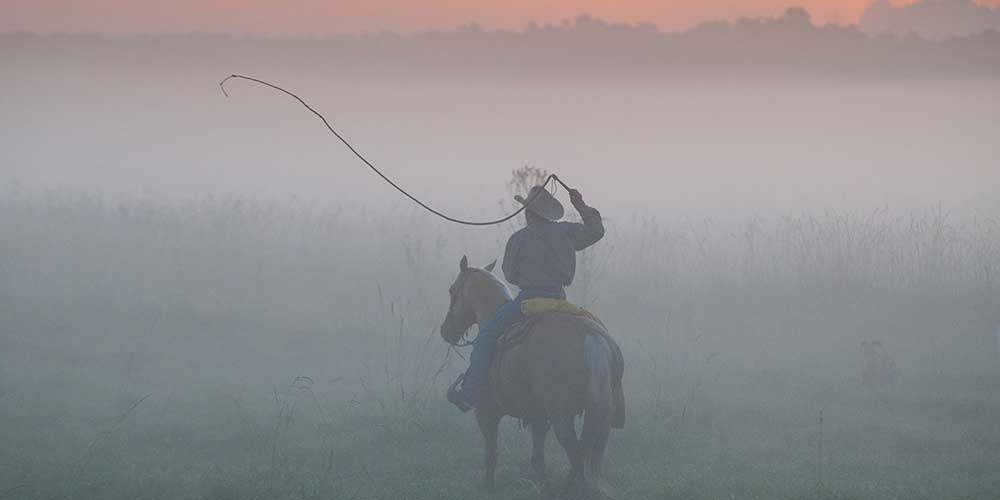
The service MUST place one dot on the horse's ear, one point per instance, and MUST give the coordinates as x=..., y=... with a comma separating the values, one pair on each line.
x=491, y=266
x=463, y=265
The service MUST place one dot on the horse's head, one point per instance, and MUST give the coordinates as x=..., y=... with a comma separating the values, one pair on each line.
x=463, y=309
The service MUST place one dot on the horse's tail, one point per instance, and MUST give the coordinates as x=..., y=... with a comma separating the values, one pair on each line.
x=597, y=356
x=597, y=416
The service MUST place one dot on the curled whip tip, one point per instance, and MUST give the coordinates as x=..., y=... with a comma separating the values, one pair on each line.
x=222, y=85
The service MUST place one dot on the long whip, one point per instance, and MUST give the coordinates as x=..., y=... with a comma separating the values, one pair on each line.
x=549, y=179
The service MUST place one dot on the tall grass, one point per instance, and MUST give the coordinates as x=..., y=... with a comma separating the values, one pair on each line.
x=306, y=266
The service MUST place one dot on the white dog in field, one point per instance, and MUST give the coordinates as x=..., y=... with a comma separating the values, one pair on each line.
x=878, y=369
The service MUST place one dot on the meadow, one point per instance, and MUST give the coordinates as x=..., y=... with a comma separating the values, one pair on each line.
x=225, y=348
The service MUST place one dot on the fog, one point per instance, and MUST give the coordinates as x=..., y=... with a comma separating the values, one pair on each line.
x=210, y=297
x=680, y=146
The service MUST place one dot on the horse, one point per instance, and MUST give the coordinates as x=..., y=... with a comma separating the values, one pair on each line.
x=566, y=365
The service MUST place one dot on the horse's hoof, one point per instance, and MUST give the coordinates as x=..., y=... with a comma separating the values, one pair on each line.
x=541, y=481
x=575, y=490
x=548, y=491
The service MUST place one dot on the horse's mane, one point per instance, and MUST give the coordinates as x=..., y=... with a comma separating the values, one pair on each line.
x=498, y=281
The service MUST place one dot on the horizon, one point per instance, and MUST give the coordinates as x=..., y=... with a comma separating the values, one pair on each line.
x=315, y=19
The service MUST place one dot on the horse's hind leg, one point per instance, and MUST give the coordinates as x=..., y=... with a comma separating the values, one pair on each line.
x=539, y=429
x=565, y=431
x=593, y=441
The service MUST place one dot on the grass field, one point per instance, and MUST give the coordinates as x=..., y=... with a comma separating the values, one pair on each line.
x=231, y=349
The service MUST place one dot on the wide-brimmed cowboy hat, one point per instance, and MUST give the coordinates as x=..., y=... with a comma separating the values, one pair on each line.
x=542, y=204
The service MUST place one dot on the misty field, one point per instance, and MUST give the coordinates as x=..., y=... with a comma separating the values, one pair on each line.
x=224, y=348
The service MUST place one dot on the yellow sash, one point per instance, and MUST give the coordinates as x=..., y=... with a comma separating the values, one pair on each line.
x=532, y=307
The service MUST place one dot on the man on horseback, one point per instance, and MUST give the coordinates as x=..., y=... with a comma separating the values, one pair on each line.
x=540, y=259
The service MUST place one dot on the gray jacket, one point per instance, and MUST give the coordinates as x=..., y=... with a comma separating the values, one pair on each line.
x=543, y=253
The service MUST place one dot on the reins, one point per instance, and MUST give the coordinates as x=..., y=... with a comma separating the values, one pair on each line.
x=462, y=341
x=548, y=180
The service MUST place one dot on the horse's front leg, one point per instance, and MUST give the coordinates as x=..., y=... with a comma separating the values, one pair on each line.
x=489, y=421
x=539, y=429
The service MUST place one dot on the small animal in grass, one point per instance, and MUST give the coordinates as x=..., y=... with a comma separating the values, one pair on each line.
x=878, y=369
x=997, y=353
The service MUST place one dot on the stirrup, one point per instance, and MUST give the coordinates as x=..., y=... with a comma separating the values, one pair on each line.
x=455, y=397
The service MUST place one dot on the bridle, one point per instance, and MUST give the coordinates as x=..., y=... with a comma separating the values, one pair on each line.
x=462, y=340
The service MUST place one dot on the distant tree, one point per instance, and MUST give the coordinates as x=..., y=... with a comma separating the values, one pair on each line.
x=931, y=19
x=521, y=181
x=797, y=16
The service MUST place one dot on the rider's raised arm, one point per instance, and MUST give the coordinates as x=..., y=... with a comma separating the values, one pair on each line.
x=592, y=229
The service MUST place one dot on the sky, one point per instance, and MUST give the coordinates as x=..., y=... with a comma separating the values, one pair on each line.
x=319, y=17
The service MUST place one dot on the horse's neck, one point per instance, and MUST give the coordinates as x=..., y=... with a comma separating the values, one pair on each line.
x=490, y=294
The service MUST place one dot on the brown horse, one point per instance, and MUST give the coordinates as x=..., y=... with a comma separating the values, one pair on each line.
x=565, y=366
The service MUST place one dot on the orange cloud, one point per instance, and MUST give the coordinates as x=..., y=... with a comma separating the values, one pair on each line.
x=333, y=16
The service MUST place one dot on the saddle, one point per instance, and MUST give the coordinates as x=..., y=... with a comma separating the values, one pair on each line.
x=533, y=310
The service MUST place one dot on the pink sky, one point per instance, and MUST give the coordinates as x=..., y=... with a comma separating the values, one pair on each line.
x=355, y=16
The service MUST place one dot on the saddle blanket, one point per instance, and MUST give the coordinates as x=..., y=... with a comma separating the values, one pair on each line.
x=533, y=310
x=532, y=307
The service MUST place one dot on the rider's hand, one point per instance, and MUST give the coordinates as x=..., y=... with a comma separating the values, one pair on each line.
x=575, y=197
